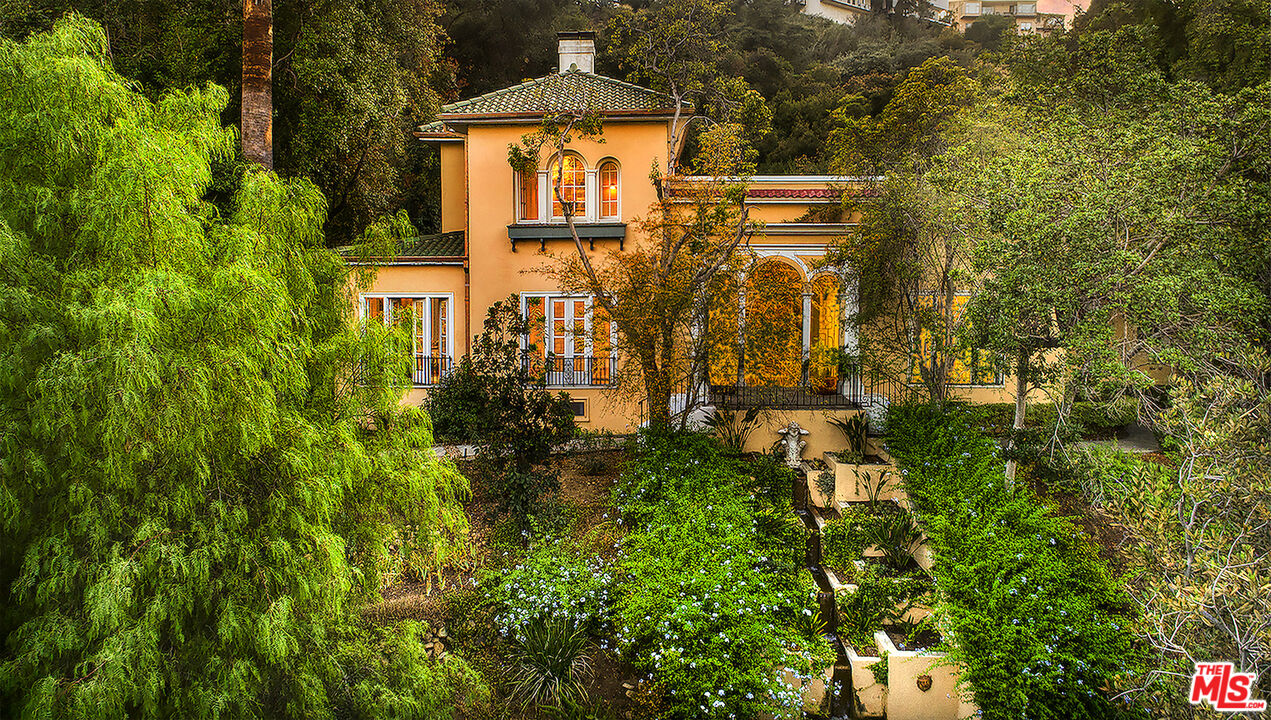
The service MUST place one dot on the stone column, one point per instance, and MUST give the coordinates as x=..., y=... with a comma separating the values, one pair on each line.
x=741, y=329
x=807, y=331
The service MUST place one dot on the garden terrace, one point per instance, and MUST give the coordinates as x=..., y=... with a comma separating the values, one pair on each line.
x=1041, y=626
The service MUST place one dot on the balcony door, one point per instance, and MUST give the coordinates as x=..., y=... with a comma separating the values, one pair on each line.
x=428, y=319
x=568, y=338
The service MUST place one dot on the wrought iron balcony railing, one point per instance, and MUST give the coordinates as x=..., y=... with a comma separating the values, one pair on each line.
x=573, y=370
x=430, y=369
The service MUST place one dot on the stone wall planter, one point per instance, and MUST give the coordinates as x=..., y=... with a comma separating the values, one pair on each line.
x=922, y=685
x=851, y=480
x=869, y=697
x=814, y=690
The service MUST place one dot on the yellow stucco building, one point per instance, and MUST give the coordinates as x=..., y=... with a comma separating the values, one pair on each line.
x=500, y=225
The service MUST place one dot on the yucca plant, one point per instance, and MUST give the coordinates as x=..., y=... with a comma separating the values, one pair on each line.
x=731, y=428
x=550, y=664
x=896, y=536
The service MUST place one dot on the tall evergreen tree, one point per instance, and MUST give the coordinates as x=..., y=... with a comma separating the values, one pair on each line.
x=204, y=467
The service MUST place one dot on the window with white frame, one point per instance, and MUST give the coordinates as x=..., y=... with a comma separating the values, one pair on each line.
x=594, y=193
x=429, y=319
x=571, y=341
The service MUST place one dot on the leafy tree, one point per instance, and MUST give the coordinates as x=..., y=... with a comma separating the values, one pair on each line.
x=1201, y=525
x=207, y=469
x=1222, y=43
x=350, y=81
x=989, y=31
x=910, y=257
x=1142, y=205
x=497, y=43
x=494, y=399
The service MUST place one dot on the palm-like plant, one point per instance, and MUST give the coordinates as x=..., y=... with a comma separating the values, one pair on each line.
x=896, y=536
x=550, y=664
x=732, y=428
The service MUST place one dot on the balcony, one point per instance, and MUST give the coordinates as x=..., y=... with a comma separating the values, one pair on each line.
x=856, y=392
x=541, y=232
x=430, y=369
x=573, y=370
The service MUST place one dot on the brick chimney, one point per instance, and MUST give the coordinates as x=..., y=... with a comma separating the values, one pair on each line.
x=577, y=50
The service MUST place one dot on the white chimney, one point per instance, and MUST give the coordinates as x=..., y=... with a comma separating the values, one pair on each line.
x=577, y=50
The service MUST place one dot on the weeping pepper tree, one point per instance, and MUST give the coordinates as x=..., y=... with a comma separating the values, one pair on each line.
x=204, y=468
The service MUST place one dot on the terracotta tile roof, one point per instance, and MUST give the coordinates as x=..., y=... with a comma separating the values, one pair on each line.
x=447, y=244
x=560, y=92
x=443, y=246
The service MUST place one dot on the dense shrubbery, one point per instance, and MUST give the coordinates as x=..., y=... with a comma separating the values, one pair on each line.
x=493, y=399
x=1086, y=418
x=1039, y=624
x=557, y=580
x=712, y=602
x=843, y=538
x=878, y=599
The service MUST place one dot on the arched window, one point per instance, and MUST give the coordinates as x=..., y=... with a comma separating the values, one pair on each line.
x=827, y=330
x=609, y=189
x=774, y=325
x=572, y=183
x=528, y=181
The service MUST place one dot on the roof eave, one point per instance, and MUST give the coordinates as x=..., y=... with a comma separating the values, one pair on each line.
x=536, y=117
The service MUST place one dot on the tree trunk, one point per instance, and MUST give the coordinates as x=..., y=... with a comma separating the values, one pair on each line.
x=657, y=393
x=257, y=118
x=1021, y=395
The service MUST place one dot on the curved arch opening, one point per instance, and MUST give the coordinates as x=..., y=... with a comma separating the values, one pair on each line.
x=774, y=325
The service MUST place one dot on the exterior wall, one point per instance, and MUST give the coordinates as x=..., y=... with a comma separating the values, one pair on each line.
x=905, y=699
x=821, y=437
x=840, y=11
x=498, y=270
x=1026, y=15
x=454, y=186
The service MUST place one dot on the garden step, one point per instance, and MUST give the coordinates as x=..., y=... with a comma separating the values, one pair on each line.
x=818, y=518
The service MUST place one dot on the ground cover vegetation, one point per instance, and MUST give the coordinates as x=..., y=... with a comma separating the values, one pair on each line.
x=207, y=468
x=689, y=573
x=1040, y=626
x=713, y=592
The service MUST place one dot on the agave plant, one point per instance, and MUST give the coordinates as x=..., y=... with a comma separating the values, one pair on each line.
x=550, y=664
x=875, y=485
x=853, y=429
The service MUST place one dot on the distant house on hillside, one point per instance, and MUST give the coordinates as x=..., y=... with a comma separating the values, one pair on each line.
x=849, y=11
x=498, y=223
x=1027, y=17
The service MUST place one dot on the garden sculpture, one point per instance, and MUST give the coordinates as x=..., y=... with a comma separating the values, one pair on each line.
x=794, y=446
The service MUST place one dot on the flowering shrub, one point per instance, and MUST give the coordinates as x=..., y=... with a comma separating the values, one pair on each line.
x=558, y=580
x=1039, y=624
x=708, y=607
